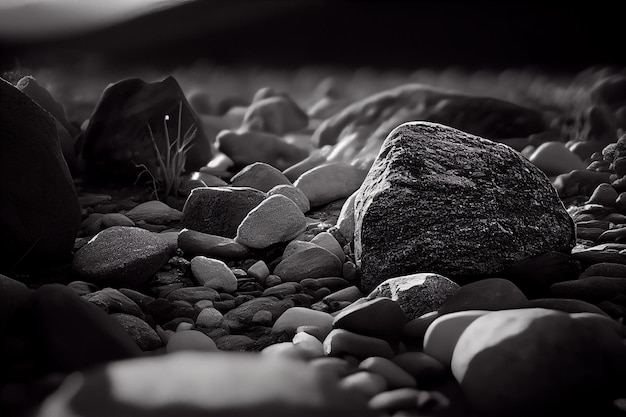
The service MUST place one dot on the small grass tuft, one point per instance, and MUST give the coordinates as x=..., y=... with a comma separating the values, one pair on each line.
x=167, y=177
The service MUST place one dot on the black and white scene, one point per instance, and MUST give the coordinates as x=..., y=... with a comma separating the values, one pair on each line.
x=312, y=208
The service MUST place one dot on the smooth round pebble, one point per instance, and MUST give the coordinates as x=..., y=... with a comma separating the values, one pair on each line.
x=213, y=273
x=395, y=376
x=190, y=340
x=295, y=317
x=366, y=383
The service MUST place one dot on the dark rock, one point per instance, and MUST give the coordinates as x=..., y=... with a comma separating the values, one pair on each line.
x=219, y=210
x=579, y=182
x=146, y=338
x=122, y=256
x=380, y=317
x=244, y=313
x=311, y=262
x=13, y=294
x=605, y=269
x=77, y=334
x=117, y=137
x=276, y=114
x=194, y=243
x=366, y=123
x=535, y=275
x=163, y=310
x=590, y=289
x=486, y=294
x=39, y=214
x=440, y=200
x=112, y=301
x=567, y=305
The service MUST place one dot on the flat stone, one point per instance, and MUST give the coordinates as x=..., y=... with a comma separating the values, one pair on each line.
x=567, y=305
x=194, y=243
x=190, y=340
x=416, y=294
x=590, y=289
x=221, y=384
x=294, y=194
x=244, y=313
x=380, y=317
x=295, y=317
x=145, y=336
x=276, y=219
x=154, y=212
x=113, y=301
x=341, y=342
x=213, y=273
x=395, y=376
x=604, y=252
x=486, y=294
x=194, y=294
x=122, y=257
x=219, y=210
x=311, y=262
x=260, y=176
x=473, y=206
x=605, y=269
x=330, y=182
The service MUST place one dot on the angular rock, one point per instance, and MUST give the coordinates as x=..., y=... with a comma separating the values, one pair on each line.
x=213, y=273
x=245, y=148
x=276, y=219
x=122, y=257
x=276, y=114
x=260, y=176
x=328, y=242
x=329, y=182
x=312, y=262
x=486, y=294
x=360, y=129
x=380, y=317
x=193, y=243
x=39, y=214
x=145, y=336
x=294, y=194
x=511, y=363
x=117, y=137
x=440, y=200
x=154, y=212
x=221, y=384
x=219, y=210
x=416, y=294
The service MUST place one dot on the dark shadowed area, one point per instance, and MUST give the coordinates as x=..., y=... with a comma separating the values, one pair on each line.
x=383, y=34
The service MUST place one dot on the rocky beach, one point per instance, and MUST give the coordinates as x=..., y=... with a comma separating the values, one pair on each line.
x=248, y=241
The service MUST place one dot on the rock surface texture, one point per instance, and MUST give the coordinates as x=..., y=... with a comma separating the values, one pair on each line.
x=444, y=201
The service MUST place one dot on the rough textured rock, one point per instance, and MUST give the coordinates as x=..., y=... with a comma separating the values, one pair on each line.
x=231, y=384
x=416, y=294
x=219, y=210
x=122, y=257
x=39, y=214
x=359, y=129
x=117, y=136
x=441, y=200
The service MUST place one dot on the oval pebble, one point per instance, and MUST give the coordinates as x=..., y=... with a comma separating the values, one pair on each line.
x=309, y=343
x=295, y=317
x=341, y=342
x=397, y=399
x=443, y=334
x=190, y=340
x=395, y=376
x=209, y=318
x=366, y=383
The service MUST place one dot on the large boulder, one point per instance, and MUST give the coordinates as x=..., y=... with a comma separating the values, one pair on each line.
x=444, y=201
x=205, y=384
x=359, y=130
x=538, y=361
x=117, y=137
x=39, y=214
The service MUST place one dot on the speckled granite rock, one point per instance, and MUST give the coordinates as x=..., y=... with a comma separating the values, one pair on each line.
x=443, y=201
